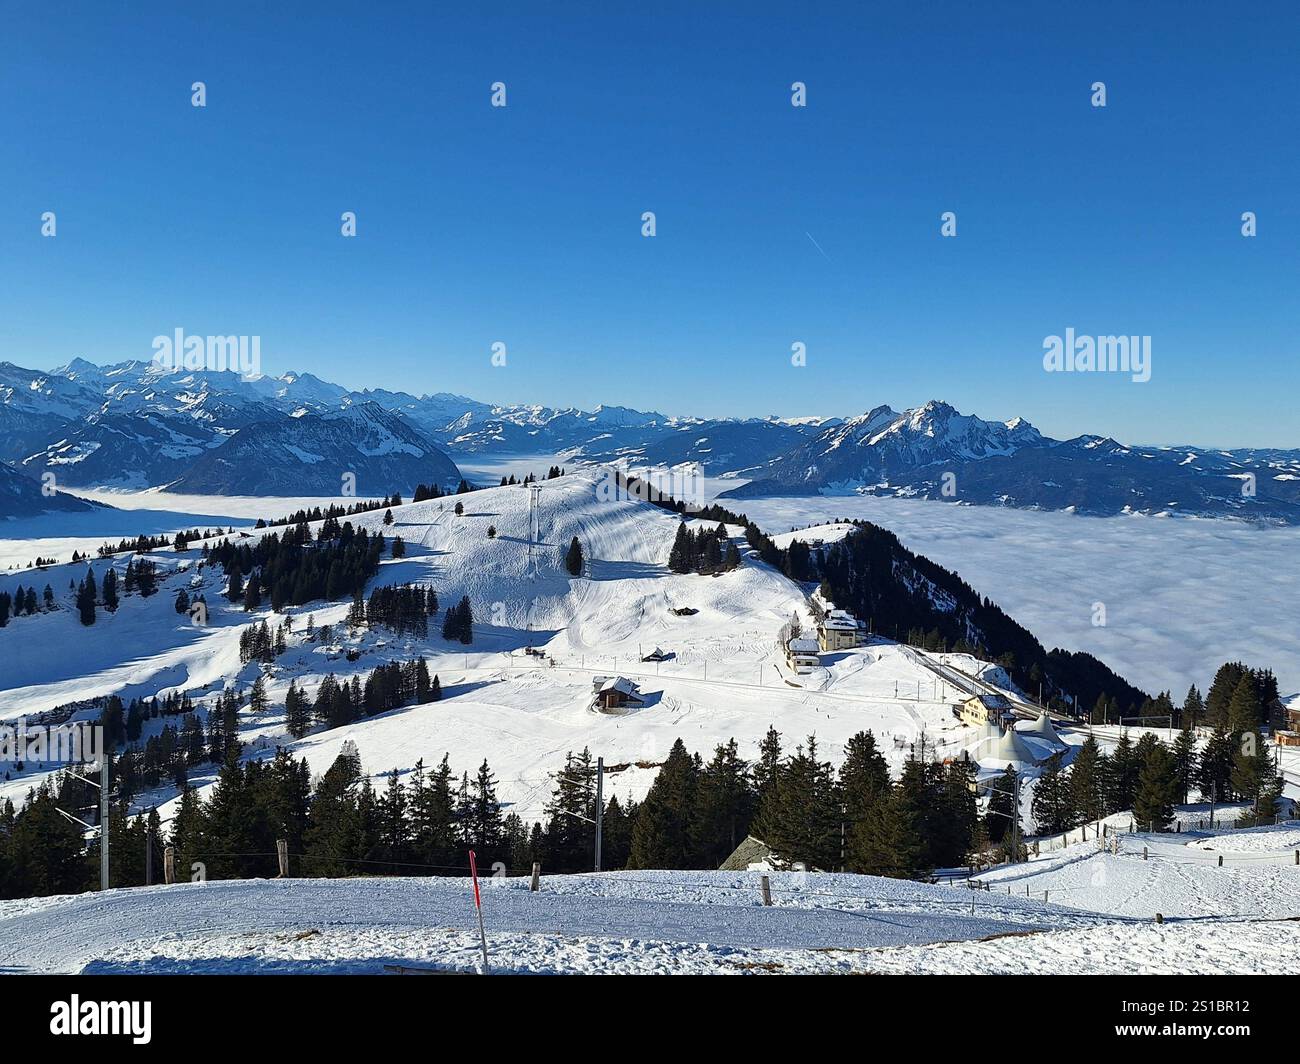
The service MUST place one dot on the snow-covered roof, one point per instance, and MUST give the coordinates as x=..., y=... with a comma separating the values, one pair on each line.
x=1012, y=749
x=1042, y=729
x=990, y=700
x=620, y=684
x=803, y=645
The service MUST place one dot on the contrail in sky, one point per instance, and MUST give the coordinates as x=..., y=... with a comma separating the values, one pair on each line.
x=817, y=246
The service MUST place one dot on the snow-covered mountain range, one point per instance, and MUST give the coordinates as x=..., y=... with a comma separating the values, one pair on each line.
x=936, y=452
x=137, y=424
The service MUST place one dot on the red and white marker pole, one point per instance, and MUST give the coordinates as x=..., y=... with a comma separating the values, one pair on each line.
x=478, y=905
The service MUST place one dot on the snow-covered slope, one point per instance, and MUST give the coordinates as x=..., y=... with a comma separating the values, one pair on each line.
x=644, y=921
x=21, y=496
x=626, y=922
x=312, y=454
x=723, y=678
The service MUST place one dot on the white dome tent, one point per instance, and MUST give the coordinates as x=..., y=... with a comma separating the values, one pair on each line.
x=1042, y=729
x=1011, y=750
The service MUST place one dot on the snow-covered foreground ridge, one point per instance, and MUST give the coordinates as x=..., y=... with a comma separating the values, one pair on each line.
x=626, y=922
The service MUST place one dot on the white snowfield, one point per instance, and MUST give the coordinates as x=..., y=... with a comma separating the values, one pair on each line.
x=1179, y=876
x=724, y=676
x=616, y=923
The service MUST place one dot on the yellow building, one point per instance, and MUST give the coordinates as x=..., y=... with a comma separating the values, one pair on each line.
x=839, y=630
x=979, y=710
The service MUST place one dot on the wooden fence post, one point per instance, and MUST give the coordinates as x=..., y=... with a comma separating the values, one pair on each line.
x=766, y=884
x=1220, y=860
x=1144, y=853
x=169, y=865
x=282, y=855
x=536, y=883
x=1160, y=918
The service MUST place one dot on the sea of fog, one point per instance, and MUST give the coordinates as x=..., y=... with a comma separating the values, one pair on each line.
x=1180, y=595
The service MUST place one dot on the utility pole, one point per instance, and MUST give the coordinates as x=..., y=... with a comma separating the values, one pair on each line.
x=1015, y=817
x=534, y=521
x=103, y=820
x=600, y=806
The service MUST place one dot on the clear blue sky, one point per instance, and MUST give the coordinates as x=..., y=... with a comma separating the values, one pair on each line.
x=523, y=224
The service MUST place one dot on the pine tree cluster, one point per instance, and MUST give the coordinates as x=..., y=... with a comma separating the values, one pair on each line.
x=293, y=569
x=709, y=550
x=402, y=608
x=259, y=642
x=21, y=602
x=458, y=622
x=334, y=510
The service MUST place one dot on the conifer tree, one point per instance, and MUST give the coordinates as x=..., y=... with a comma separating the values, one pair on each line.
x=1053, y=805
x=1254, y=777
x=679, y=555
x=568, y=843
x=573, y=558
x=1157, y=790
x=1002, y=814
x=109, y=590
x=1121, y=778
x=725, y=805
x=257, y=699
x=1087, y=782
x=297, y=711
x=1214, y=773
x=485, y=831
x=1185, y=759
x=333, y=835
x=1245, y=708
x=887, y=842
x=801, y=818
x=86, y=599
x=235, y=583
x=864, y=776
x=661, y=836
x=1220, y=694
x=616, y=838
x=423, y=687
x=767, y=770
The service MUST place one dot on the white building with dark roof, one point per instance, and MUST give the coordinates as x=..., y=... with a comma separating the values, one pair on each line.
x=801, y=653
